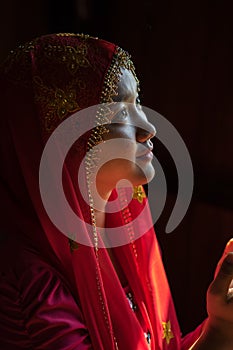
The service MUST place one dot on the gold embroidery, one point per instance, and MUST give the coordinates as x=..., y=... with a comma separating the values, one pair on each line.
x=62, y=101
x=73, y=242
x=139, y=193
x=57, y=103
x=73, y=57
x=73, y=245
x=126, y=214
x=167, y=332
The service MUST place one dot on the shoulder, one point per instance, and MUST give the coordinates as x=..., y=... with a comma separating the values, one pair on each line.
x=26, y=276
x=24, y=268
x=35, y=302
x=19, y=260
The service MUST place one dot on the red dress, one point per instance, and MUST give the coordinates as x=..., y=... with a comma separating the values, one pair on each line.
x=56, y=293
x=38, y=310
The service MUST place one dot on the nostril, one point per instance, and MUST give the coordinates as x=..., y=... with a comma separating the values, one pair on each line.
x=143, y=136
x=146, y=133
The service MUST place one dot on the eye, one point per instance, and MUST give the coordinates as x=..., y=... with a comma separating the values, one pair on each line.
x=138, y=103
x=121, y=115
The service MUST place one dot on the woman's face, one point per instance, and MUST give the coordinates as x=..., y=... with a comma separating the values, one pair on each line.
x=127, y=150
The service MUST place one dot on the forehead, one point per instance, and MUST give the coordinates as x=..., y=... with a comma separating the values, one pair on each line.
x=127, y=86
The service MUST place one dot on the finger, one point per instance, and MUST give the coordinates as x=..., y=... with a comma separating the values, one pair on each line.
x=228, y=249
x=223, y=278
x=229, y=246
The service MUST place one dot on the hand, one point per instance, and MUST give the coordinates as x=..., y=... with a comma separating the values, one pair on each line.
x=228, y=249
x=218, y=330
x=220, y=292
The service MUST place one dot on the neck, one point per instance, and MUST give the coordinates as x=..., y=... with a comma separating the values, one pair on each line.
x=100, y=199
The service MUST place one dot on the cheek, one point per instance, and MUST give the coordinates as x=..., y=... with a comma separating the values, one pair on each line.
x=117, y=153
x=117, y=148
x=119, y=163
x=120, y=131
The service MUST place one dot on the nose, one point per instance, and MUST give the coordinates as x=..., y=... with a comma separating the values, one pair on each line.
x=145, y=131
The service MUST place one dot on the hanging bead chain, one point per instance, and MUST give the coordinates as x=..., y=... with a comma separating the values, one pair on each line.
x=120, y=59
x=127, y=218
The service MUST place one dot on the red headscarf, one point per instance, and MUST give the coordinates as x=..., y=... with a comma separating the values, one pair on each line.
x=45, y=82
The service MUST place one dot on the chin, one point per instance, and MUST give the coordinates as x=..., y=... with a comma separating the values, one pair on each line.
x=144, y=175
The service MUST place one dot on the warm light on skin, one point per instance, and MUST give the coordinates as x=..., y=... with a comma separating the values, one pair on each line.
x=127, y=113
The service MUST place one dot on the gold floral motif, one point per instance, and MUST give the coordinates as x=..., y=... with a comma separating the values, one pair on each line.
x=73, y=57
x=56, y=102
x=167, y=332
x=73, y=242
x=73, y=245
x=139, y=193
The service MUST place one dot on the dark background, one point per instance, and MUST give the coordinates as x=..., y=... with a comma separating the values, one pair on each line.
x=183, y=51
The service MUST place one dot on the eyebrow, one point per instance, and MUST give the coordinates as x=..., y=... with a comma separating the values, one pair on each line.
x=124, y=97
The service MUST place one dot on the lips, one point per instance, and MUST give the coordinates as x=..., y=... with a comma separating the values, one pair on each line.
x=145, y=151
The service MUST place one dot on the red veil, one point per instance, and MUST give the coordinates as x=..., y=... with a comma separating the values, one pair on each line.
x=43, y=83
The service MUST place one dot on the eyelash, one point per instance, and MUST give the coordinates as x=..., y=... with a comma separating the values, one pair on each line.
x=138, y=102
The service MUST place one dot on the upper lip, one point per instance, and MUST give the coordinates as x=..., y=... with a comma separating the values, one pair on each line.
x=144, y=149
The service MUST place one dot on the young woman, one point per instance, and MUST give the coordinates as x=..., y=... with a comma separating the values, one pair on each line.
x=91, y=276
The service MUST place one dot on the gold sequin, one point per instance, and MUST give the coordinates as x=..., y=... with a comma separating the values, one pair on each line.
x=139, y=193
x=167, y=332
x=73, y=245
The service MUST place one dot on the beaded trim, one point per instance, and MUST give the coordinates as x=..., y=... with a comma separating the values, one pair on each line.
x=81, y=35
x=126, y=214
x=121, y=59
x=104, y=306
x=112, y=78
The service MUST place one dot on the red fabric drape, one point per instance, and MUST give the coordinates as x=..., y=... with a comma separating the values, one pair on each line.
x=45, y=81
